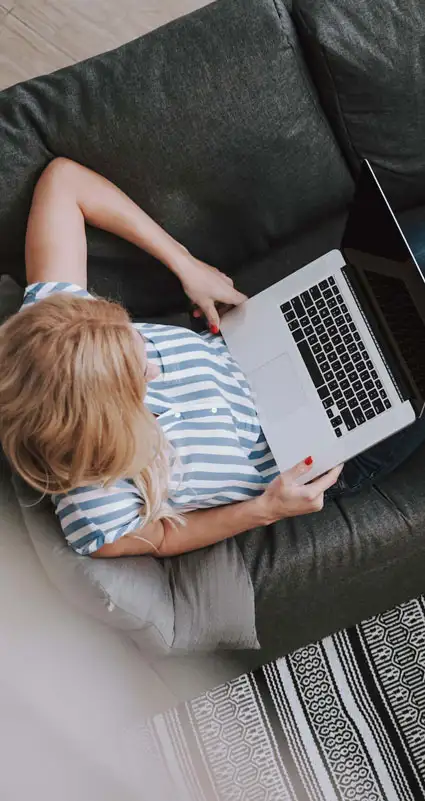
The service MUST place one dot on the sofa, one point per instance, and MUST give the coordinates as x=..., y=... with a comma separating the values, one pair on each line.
x=240, y=128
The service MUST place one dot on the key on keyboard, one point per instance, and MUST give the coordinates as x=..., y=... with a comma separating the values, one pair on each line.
x=335, y=357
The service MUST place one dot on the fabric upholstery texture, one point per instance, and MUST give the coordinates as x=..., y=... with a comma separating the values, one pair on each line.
x=368, y=63
x=210, y=123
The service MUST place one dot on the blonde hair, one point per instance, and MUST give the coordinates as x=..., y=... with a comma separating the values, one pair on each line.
x=71, y=402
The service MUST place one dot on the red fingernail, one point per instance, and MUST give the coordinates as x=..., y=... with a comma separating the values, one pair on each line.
x=308, y=461
x=196, y=313
x=214, y=329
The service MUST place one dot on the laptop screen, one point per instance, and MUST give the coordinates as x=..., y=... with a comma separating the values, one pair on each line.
x=375, y=247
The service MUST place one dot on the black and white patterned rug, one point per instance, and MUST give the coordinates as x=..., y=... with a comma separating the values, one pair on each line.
x=340, y=720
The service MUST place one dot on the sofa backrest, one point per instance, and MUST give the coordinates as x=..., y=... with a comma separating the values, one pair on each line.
x=367, y=58
x=210, y=123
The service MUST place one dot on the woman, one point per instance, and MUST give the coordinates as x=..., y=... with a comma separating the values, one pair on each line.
x=145, y=436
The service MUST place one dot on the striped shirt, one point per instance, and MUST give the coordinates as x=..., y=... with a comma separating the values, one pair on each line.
x=204, y=406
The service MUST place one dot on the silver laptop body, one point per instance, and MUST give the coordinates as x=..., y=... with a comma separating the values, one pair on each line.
x=322, y=379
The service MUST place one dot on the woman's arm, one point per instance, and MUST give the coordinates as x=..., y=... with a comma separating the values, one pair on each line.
x=284, y=497
x=203, y=527
x=67, y=196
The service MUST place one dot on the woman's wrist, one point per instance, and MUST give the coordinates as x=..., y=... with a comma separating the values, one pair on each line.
x=262, y=511
x=178, y=259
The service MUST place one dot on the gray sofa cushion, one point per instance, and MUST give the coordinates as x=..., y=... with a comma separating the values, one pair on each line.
x=211, y=124
x=368, y=62
x=196, y=602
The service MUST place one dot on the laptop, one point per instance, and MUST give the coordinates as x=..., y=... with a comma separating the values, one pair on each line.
x=335, y=352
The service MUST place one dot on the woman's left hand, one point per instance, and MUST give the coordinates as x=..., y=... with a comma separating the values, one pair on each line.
x=206, y=286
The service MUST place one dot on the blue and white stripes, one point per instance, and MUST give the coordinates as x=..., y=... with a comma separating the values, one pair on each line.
x=204, y=406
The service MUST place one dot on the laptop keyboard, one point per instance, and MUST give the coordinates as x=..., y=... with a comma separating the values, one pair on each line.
x=336, y=357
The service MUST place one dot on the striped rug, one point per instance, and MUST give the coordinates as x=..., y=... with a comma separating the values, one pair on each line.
x=339, y=720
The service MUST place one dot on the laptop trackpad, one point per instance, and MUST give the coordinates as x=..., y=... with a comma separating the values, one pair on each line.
x=277, y=389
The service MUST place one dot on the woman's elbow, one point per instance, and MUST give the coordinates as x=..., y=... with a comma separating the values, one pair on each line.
x=59, y=171
x=147, y=541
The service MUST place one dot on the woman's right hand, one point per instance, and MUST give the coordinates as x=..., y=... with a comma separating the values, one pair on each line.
x=285, y=498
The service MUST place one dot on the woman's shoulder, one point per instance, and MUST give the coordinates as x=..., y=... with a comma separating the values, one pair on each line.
x=43, y=289
x=94, y=515
x=93, y=495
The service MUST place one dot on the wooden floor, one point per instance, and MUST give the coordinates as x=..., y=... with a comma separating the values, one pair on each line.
x=38, y=36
